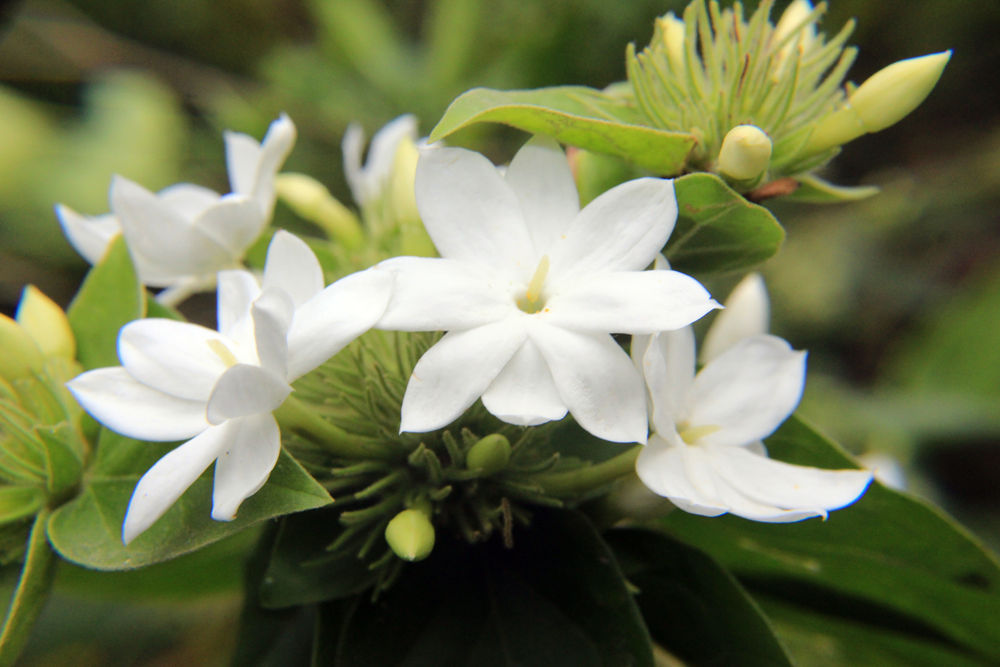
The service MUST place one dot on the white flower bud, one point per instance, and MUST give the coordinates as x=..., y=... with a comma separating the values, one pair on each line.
x=410, y=535
x=745, y=154
x=46, y=323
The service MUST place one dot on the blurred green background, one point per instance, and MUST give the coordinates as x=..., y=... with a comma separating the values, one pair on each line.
x=897, y=298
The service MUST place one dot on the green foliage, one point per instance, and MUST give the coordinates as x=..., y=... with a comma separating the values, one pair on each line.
x=31, y=592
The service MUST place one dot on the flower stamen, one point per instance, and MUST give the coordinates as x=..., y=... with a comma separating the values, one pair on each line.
x=694, y=434
x=532, y=302
x=223, y=352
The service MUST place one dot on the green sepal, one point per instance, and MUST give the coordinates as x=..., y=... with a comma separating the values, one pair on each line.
x=814, y=190
x=64, y=465
x=156, y=309
x=111, y=296
x=717, y=229
x=577, y=116
x=20, y=502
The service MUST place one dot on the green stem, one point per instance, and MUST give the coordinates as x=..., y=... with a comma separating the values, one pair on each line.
x=31, y=593
x=575, y=482
x=295, y=416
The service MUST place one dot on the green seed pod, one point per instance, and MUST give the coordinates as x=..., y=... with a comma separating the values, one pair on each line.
x=410, y=534
x=491, y=454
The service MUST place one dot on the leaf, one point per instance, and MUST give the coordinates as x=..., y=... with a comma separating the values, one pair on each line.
x=31, y=593
x=814, y=190
x=302, y=571
x=156, y=309
x=556, y=599
x=87, y=530
x=20, y=502
x=889, y=554
x=63, y=465
x=694, y=608
x=111, y=296
x=577, y=116
x=717, y=229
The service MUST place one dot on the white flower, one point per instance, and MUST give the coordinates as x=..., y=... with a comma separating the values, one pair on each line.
x=529, y=289
x=706, y=455
x=181, y=380
x=368, y=181
x=181, y=237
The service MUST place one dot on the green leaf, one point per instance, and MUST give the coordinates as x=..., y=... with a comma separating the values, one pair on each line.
x=889, y=550
x=19, y=502
x=814, y=190
x=63, y=464
x=156, y=309
x=597, y=173
x=694, y=608
x=111, y=296
x=577, y=116
x=31, y=593
x=556, y=599
x=717, y=229
x=87, y=530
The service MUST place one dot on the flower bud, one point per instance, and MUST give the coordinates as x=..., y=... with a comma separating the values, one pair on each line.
x=793, y=17
x=745, y=154
x=311, y=200
x=410, y=535
x=19, y=355
x=414, y=240
x=673, y=39
x=46, y=323
x=491, y=454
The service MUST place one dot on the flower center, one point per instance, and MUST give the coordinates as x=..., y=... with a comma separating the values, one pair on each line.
x=690, y=435
x=223, y=352
x=532, y=301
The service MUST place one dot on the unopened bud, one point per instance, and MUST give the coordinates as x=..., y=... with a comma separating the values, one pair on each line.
x=42, y=319
x=673, y=39
x=414, y=240
x=793, y=17
x=491, y=454
x=410, y=534
x=745, y=154
x=19, y=355
x=311, y=200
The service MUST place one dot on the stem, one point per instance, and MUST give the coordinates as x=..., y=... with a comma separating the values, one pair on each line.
x=293, y=415
x=31, y=593
x=580, y=481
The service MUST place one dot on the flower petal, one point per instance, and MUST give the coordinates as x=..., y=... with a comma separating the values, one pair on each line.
x=352, y=147
x=636, y=302
x=242, y=160
x=432, y=294
x=747, y=314
x=334, y=317
x=234, y=222
x=747, y=392
x=524, y=392
x=188, y=199
x=622, y=230
x=596, y=380
x=679, y=474
x=292, y=266
x=382, y=152
x=245, y=390
x=668, y=367
x=90, y=236
x=455, y=372
x=245, y=463
x=252, y=166
x=126, y=406
x=272, y=314
x=541, y=178
x=471, y=213
x=236, y=293
x=170, y=477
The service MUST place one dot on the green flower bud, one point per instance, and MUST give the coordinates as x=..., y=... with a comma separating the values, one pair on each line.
x=19, y=355
x=491, y=454
x=745, y=154
x=311, y=200
x=42, y=319
x=410, y=534
x=673, y=30
x=414, y=240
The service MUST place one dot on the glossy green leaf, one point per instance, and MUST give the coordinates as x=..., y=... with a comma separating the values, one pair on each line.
x=19, y=502
x=889, y=550
x=717, y=229
x=556, y=599
x=111, y=296
x=694, y=608
x=87, y=530
x=814, y=190
x=577, y=116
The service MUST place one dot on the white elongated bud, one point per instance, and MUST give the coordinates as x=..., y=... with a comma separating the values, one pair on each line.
x=311, y=200
x=673, y=39
x=46, y=323
x=745, y=154
x=410, y=535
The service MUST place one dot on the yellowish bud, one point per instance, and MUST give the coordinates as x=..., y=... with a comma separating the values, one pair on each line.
x=491, y=454
x=46, y=323
x=673, y=38
x=311, y=200
x=410, y=535
x=793, y=17
x=745, y=154
x=19, y=355
x=414, y=240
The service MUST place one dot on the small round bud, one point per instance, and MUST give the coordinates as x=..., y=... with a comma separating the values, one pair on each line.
x=46, y=323
x=19, y=355
x=491, y=454
x=745, y=154
x=410, y=535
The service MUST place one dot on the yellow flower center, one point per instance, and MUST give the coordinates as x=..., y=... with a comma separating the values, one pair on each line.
x=690, y=435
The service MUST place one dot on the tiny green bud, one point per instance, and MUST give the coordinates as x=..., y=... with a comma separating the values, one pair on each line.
x=42, y=319
x=745, y=154
x=311, y=200
x=19, y=354
x=410, y=534
x=491, y=454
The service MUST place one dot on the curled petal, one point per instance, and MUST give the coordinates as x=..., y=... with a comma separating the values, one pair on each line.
x=541, y=178
x=245, y=463
x=236, y=293
x=747, y=313
x=524, y=392
x=234, y=223
x=245, y=390
x=680, y=476
x=668, y=366
x=366, y=182
x=90, y=236
x=292, y=266
x=188, y=199
x=272, y=315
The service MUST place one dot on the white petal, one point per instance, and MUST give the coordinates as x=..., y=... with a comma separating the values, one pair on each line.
x=524, y=393
x=455, y=372
x=174, y=357
x=433, y=294
x=237, y=291
x=635, y=302
x=292, y=266
x=245, y=463
x=177, y=289
x=382, y=153
x=325, y=324
x=169, y=478
x=668, y=367
x=747, y=313
x=90, y=236
x=541, y=178
x=352, y=147
x=272, y=314
x=242, y=159
x=622, y=230
x=188, y=199
x=596, y=380
x=126, y=406
x=234, y=222
x=245, y=390
x=277, y=144
x=471, y=213
x=679, y=473
x=747, y=392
